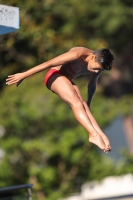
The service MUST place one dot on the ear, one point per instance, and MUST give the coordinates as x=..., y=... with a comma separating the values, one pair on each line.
x=93, y=57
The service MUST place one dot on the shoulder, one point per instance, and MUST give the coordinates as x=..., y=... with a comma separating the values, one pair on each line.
x=81, y=50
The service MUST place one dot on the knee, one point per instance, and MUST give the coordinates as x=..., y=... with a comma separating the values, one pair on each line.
x=76, y=101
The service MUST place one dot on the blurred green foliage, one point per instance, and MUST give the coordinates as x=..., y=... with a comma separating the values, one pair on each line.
x=43, y=143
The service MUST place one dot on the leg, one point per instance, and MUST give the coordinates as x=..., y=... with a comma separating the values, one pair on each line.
x=93, y=121
x=64, y=89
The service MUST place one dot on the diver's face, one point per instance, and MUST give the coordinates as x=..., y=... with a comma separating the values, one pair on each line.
x=94, y=66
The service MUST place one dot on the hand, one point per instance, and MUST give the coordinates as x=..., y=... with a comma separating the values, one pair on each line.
x=16, y=78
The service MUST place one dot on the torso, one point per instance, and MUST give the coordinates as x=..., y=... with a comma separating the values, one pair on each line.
x=74, y=69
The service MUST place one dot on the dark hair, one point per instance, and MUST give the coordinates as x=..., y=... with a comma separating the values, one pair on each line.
x=105, y=58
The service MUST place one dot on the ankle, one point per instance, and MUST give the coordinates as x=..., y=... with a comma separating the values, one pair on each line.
x=93, y=133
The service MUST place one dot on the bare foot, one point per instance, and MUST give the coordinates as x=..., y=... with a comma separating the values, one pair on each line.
x=106, y=141
x=98, y=141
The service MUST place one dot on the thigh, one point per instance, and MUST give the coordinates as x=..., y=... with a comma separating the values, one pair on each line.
x=63, y=87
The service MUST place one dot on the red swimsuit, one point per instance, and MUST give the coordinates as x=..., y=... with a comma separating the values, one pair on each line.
x=50, y=73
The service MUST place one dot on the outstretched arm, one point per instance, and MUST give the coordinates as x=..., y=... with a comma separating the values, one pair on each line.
x=92, y=86
x=73, y=54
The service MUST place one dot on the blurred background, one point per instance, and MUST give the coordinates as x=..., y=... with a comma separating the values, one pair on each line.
x=40, y=141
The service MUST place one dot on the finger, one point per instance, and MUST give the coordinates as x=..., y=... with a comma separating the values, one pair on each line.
x=7, y=80
x=10, y=76
x=11, y=82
